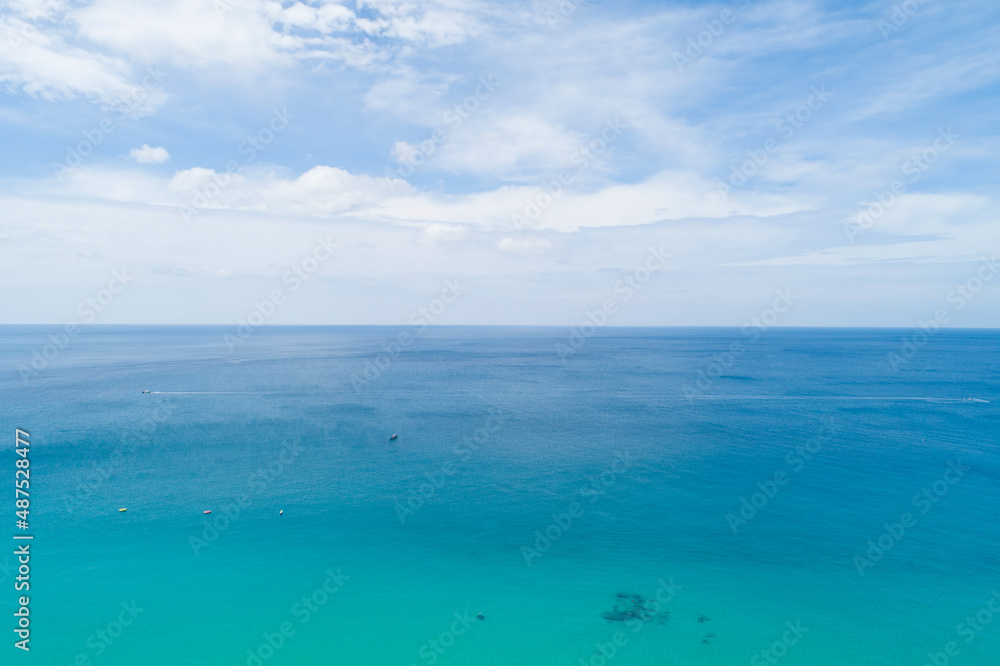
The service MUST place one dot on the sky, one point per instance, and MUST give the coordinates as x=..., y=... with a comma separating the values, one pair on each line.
x=527, y=163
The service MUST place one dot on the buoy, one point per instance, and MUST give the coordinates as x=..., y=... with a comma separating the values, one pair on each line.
x=122, y=509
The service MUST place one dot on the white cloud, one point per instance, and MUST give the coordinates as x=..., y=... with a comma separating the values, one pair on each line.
x=183, y=31
x=435, y=23
x=326, y=192
x=255, y=33
x=322, y=192
x=523, y=244
x=443, y=233
x=667, y=195
x=35, y=58
x=58, y=51
x=512, y=147
x=147, y=155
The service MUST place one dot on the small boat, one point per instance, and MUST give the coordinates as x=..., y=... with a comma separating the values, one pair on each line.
x=393, y=437
x=122, y=510
x=206, y=512
x=145, y=391
x=281, y=513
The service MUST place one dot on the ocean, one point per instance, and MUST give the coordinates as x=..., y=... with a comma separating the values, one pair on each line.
x=640, y=496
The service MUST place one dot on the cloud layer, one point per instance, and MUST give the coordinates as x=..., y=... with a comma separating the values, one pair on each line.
x=538, y=147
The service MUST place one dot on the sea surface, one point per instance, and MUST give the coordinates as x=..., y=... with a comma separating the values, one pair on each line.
x=641, y=496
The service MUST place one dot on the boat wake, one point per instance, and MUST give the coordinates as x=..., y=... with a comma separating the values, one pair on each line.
x=838, y=398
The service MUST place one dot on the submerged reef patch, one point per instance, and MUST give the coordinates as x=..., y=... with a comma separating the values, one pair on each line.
x=635, y=606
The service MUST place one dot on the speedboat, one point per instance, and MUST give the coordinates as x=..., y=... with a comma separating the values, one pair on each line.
x=393, y=437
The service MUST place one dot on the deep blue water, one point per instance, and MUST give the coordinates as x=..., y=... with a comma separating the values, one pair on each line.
x=634, y=453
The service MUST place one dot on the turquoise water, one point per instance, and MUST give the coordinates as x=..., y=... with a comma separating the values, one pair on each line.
x=500, y=439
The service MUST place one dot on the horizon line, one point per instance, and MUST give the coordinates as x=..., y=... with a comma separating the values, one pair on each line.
x=539, y=326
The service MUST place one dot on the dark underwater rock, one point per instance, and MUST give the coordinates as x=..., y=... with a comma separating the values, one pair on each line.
x=635, y=607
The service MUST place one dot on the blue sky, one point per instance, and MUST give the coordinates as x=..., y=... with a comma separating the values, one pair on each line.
x=746, y=138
